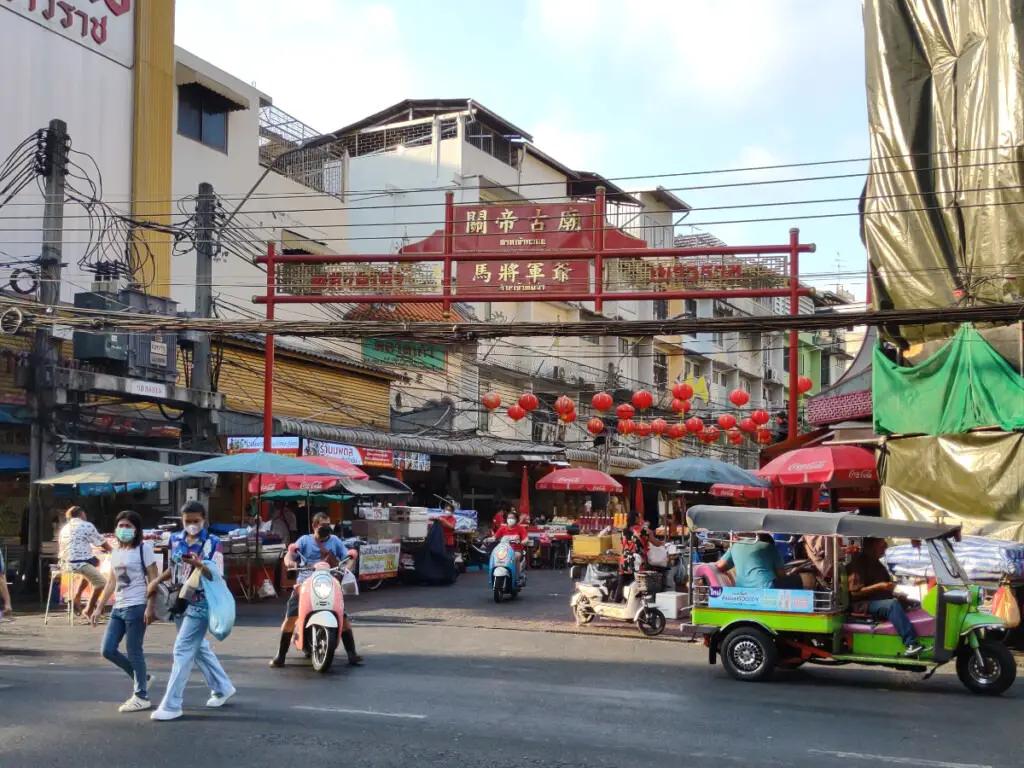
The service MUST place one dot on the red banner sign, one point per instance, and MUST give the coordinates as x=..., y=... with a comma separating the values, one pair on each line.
x=531, y=227
x=522, y=276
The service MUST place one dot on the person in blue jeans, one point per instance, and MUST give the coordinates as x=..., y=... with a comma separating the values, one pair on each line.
x=195, y=547
x=872, y=592
x=132, y=567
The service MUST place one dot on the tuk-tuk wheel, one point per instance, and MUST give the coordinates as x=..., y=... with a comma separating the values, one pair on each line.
x=993, y=675
x=749, y=654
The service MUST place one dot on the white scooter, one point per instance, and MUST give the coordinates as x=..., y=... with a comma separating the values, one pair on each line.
x=592, y=600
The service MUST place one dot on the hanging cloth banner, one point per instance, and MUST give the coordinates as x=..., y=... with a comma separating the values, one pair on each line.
x=963, y=386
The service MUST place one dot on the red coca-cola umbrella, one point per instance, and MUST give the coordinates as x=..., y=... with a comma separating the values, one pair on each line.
x=728, y=491
x=574, y=479
x=836, y=466
x=310, y=483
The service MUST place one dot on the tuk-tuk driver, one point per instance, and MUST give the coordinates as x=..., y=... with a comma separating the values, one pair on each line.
x=758, y=564
x=872, y=592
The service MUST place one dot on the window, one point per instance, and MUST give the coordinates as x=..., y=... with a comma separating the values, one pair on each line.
x=203, y=116
x=625, y=346
x=595, y=340
x=718, y=338
x=721, y=379
x=661, y=309
x=826, y=371
x=660, y=369
x=691, y=308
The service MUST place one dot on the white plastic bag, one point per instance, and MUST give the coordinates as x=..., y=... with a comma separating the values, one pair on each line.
x=266, y=590
x=657, y=556
x=349, y=584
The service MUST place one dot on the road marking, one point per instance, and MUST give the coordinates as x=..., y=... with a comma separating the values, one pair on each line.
x=401, y=715
x=896, y=760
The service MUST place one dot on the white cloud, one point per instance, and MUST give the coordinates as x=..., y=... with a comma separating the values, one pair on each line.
x=724, y=52
x=582, y=150
x=327, y=62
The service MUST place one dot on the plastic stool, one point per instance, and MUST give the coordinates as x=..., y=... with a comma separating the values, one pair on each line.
x=56, y=575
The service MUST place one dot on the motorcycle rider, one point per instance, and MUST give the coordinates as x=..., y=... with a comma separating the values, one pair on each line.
x=513, y=527
x=320, y=546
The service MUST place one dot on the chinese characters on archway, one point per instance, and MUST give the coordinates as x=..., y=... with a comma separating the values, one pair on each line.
x=496, y=228
x=551, y=276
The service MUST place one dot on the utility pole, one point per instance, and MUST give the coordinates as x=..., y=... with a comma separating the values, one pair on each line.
x=202, y=378
x=42, y=450
x=200, y=421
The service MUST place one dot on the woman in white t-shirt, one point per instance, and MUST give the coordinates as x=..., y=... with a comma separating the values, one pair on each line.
x=132, y=567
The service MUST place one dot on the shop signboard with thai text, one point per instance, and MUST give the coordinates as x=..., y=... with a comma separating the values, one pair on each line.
x=383, y=458
x=403, y=352
x=106, y=27
x=284, y=445
x=377, y=561
x=779, y=600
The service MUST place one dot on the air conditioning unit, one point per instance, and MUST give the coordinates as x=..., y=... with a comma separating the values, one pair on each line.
x=770, y=374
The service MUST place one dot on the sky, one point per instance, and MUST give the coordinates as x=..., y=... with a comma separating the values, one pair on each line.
x=654, y=89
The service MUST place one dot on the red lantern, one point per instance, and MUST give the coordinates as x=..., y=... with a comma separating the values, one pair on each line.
x=686, y=406
x=727, y=421
x=676, y=431
x=643, y=429
x=734, y=436
x=528, y=402
x=682, y=391
x=760, y=417
x=626, y=427
x=625, y=411
x=595, y=426
x=492, y=401
x=711, y=435
x=659, y=426
x=764, y=436
x=568, y=417
x=694, y=425
x=643, y=399
x=804, y=385
x=679, y=405
x=516, y=412
x=748, y=425
x=739, y=397
x=602, y=401
x=564, y=405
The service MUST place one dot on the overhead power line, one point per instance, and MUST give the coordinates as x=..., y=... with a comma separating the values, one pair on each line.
x=16, y=315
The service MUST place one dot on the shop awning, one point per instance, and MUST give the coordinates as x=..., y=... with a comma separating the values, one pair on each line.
x=13, y=462
x=375, y=487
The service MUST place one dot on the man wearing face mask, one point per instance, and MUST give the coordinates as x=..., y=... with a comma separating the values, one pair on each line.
x=513, y=527
x=320, y=546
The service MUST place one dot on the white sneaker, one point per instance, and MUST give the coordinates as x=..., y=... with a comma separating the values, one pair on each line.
x=135, y=704
x=165, y=714
x=220, y=701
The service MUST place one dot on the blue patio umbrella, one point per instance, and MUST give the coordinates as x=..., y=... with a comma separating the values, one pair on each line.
x=259, y=463
x=696, y=471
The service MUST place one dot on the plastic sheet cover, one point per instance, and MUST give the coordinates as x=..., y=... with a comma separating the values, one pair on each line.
x=942, y=206
x=976, y=480
x=963, y=386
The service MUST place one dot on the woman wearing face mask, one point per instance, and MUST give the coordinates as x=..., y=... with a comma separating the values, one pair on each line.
x=513, y=527
x=321, y=546
x=195, y=547
x=132, y=567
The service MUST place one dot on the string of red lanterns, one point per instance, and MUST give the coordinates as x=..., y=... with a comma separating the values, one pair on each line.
x=733, y=427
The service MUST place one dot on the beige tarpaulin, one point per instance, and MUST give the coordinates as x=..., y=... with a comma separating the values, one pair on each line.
x=976, y=479
x=943, y=206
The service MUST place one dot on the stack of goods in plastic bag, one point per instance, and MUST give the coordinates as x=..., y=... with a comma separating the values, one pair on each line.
x=983, y=559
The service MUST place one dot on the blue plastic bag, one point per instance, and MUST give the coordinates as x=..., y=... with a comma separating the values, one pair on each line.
x=220, y=603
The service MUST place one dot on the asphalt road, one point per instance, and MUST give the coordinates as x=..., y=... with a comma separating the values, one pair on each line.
x=441, y=688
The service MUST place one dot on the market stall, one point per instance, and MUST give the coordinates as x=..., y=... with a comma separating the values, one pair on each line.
x=589, y=547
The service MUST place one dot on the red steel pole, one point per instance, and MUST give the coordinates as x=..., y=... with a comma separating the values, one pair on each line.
x=599, y=208
x=268, y=357
x=794, y=335
x=449, y=246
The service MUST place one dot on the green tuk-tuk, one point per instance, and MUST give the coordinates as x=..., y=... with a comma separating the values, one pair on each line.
x=756, y=631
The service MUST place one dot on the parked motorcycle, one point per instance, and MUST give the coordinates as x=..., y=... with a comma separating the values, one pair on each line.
x=505, y=575
x=592, y=600
x=322, y=612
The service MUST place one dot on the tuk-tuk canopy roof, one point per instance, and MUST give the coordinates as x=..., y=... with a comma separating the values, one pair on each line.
x=741, y=520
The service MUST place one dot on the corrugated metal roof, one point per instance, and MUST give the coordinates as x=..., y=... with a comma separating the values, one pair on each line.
x=619, y=462
x=416, y=313
x=312, y=351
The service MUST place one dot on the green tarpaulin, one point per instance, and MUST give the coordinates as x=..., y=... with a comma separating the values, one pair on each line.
x=963, y=386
